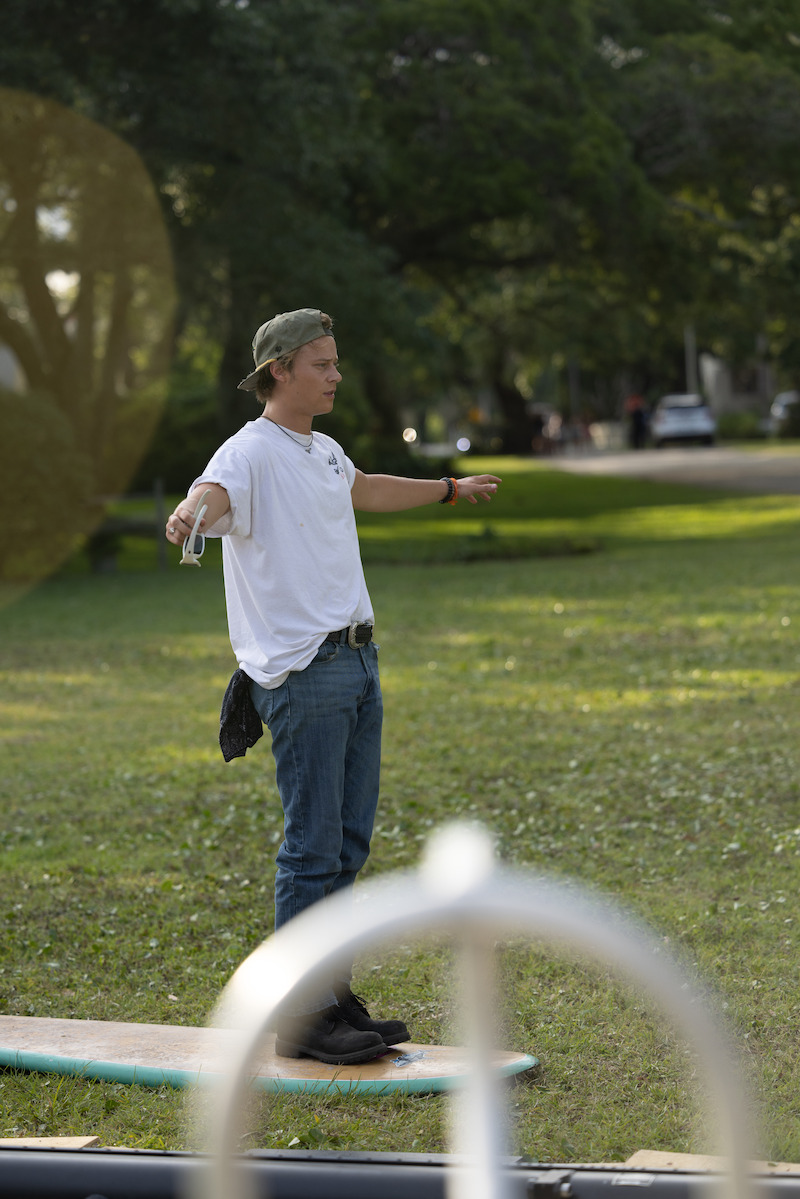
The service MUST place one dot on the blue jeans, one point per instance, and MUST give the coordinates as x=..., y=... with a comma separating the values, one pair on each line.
x=325, y=723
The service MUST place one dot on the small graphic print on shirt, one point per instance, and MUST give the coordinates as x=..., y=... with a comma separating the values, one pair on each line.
x=334, y=462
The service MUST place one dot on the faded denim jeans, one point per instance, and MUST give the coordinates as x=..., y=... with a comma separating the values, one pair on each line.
x=325, y=723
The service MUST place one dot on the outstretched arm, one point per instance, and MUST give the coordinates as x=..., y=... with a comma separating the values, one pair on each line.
x=394, y=493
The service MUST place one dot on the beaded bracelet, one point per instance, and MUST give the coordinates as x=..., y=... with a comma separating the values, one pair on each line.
x=452, y=490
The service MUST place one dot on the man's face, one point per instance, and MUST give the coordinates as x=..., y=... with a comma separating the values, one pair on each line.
x=310, y=386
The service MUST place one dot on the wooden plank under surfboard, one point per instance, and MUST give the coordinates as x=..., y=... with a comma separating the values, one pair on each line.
x=154, y=1055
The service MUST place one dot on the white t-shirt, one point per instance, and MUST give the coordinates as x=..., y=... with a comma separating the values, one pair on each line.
x=290, y=551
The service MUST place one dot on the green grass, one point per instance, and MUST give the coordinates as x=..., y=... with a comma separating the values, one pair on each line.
x=626, y=718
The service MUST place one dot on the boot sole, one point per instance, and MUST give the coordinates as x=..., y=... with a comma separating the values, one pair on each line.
x=288, y=1049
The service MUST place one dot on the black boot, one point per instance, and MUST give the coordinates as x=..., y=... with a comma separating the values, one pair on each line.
x=328, y=1037
x=353, y=1009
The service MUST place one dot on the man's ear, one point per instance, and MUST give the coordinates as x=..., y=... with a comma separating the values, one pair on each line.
x=278, y=372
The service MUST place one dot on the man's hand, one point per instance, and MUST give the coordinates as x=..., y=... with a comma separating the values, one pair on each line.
x=477, y=485
x=181, y=522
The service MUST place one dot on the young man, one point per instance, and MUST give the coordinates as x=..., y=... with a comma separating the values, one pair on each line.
x=282, y=497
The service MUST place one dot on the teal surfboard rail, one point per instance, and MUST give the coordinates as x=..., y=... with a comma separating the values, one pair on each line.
x=154, y=1077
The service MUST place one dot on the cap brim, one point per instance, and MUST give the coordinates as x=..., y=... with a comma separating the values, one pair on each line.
x=250, y=383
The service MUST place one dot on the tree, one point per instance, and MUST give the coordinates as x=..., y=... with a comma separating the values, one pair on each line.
x=241, y=113
x=690, y=216
x=709, y=102
x=85, y=306
x=495, y=167
x=476, y=192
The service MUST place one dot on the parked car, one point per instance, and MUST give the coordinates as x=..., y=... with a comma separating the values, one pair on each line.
x=779, y=410
x=681, y=418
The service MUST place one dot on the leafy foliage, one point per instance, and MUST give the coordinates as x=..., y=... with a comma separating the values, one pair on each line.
x=484, y=196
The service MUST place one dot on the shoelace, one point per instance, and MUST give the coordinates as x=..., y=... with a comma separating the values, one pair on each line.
x=353, y=1000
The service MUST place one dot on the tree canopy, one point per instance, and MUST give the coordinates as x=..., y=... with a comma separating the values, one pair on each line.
x=480, y=193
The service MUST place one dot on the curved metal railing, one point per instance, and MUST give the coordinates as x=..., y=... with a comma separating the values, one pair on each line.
x=459, y=887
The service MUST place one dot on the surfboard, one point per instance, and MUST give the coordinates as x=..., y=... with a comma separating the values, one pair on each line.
x=155, y=1055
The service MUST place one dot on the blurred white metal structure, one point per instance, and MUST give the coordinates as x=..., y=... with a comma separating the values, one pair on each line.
x=459, y=888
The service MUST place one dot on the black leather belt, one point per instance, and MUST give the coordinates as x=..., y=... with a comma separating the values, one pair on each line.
x=355, y=635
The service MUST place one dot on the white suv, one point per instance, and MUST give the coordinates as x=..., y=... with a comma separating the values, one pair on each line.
x=779, y=412
x=682, y=418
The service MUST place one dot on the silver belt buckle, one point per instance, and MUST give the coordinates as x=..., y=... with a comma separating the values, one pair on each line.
x=359, y=634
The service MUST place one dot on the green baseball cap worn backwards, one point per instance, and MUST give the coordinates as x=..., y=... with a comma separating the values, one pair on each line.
x=283, y=333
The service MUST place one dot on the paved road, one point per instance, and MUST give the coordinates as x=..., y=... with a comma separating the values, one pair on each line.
x=768, y=472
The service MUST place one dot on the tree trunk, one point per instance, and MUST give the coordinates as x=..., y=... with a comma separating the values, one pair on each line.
x=235, y=408
x=518, y=427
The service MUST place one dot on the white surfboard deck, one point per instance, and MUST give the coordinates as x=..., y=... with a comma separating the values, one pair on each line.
x=154, y=1055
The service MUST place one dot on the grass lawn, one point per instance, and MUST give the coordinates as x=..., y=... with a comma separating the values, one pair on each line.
x=605, y=672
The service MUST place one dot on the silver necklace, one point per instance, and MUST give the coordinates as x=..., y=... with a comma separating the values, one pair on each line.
x=302, y=444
